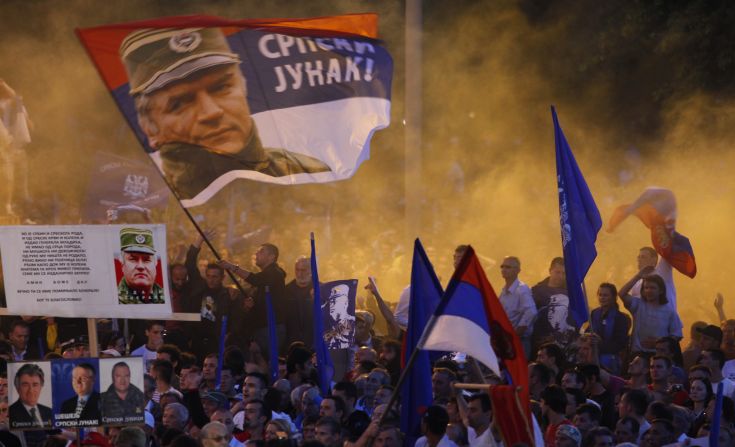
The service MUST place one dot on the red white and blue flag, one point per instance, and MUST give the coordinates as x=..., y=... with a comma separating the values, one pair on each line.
x=656, y=208
x=471, y=319
x=316, y=90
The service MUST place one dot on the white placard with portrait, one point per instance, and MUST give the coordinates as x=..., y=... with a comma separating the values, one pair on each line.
x=93, y=271
x=29, y=395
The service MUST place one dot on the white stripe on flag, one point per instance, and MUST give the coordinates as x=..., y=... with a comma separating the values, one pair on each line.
x=453, y=333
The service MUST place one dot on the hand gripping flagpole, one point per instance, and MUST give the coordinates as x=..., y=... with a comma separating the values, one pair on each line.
x=404, y=373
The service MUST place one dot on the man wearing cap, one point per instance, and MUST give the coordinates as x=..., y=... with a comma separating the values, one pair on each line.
x=568, y=436
x=191, y=100
x=138, y=259
x=85, y=404
x=342, y=327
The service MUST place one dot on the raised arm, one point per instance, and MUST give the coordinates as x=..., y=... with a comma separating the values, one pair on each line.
x=720, y=306
x=192, y=255
x=624, y=292
x=234, y=268
x=393, y=329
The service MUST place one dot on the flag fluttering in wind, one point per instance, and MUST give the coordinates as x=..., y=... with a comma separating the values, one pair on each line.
x=471, y=319
x=656, y=208
x=212, y=100
x=580, y=222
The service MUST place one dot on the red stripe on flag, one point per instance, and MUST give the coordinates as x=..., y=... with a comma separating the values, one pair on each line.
x=514, y=428
x=513, y=357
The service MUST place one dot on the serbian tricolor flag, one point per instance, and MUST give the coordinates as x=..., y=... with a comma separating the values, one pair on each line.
x=471, y=319
x=656, y=208
x=213, y=100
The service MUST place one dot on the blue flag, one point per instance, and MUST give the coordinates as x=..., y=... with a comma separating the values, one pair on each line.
x=580, y=222
x=272, y=337
x=221, y=353
x=324, y=366
x=416, y=395
x=714, y=433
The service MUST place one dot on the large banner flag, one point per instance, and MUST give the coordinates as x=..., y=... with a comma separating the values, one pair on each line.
x=211, y=100
x=580, y=222
x=120, y=188
x=93, y=271
x=338, y=313
x=84, y=392
x=324, y=365
x=471, y=319
x=656, y=208
x=416, y=393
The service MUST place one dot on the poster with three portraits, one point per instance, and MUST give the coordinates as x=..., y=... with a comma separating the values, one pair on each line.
x=67, y=393
x=91, y=271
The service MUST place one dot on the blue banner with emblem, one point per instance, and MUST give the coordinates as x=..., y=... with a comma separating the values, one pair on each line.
x=121, y=189
x=580, y=222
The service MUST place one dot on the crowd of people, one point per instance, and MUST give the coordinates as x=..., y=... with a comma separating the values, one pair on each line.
x=621, y=379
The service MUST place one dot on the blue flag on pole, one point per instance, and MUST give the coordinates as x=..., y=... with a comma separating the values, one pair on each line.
x=272, y=336
x=221, y=351
x=714, y=433
x=324, y=366
x=580, y=222
x=416, y=395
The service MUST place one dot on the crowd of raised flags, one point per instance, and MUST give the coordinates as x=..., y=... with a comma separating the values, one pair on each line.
x=462, y=370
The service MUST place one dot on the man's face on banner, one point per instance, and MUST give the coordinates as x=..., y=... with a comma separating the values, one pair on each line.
x=339, y=302
x=82, y=380
x=209, y=109
x=139, y=269
x=29, y=389
x=121, y=378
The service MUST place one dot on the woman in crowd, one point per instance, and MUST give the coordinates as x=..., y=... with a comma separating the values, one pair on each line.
x=653, y=318
x=700, y=394
x=611, y=326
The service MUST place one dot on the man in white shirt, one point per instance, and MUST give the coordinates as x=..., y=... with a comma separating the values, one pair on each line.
x=517, y=301
x=401, y=312
x=434, y=427
x=714, y=359
x=154, y=340
x=479, y=417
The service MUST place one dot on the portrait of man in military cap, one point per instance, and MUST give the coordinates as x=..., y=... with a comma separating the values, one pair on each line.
x=138, y=259
x=191, y=101
x=340, y=328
